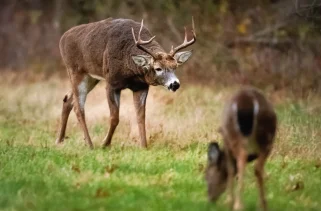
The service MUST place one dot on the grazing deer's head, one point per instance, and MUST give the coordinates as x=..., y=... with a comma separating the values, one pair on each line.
x=160, y=66
x=216, y=172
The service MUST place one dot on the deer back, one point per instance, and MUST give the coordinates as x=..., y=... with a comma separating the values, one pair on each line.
x=83, y=46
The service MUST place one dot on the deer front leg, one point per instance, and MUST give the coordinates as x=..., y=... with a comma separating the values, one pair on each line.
x=66, y=108
x=140, y=106
x=113, y=98
x=240, y=162
x=230, y=181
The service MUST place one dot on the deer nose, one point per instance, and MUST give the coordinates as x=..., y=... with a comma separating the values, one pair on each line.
x=174, y=86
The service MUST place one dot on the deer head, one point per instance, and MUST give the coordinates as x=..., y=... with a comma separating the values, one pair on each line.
x=216, y=172
x=160, y=66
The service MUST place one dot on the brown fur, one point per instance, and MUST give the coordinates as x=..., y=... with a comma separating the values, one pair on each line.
x=104, y=49
x=240, y=148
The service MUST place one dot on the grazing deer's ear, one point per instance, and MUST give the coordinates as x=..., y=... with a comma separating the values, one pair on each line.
x=213, y=152
x=142, y=60
x=182, y=57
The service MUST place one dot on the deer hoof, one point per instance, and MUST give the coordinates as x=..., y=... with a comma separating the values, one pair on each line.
x=59, y=141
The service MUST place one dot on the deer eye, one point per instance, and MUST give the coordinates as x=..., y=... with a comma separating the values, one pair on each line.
x=158, y=69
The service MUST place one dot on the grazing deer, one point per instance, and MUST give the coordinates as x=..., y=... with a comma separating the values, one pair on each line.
x=108, y=50
x=248, y=129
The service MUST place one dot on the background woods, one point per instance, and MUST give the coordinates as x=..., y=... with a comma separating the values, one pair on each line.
x=270, y=43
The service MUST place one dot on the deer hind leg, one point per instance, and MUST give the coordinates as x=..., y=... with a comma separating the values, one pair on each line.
x=241, y=163
x=230, y=180
x=259, y=173
x=66, y=108
x=113, y=98
x=82, y=84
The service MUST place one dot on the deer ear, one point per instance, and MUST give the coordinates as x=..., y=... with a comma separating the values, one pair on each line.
x=213, y=152
x=182, y=57
x=142, y=60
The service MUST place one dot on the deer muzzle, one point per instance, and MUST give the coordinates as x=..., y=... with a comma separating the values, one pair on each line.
x=171, y=81
x=174, y=86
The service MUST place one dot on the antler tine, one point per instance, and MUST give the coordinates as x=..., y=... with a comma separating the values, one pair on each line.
x=193, y=28
x=141, y=28
x=134, y=35
x=185, y=35
x=139, y=42
x=185, y=42
x=140, y=31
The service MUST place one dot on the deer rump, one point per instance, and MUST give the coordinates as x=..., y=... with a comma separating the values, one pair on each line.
x=245, y=120
x=246, y=112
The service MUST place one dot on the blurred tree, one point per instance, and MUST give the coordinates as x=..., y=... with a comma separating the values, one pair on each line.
x=266, y=36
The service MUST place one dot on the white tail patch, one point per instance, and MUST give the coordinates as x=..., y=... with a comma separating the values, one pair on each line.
x=236, y=124
x=256, y=107
x=256, y=112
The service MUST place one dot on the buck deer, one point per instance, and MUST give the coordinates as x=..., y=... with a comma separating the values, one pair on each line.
x=248, y=129
x=108, y=50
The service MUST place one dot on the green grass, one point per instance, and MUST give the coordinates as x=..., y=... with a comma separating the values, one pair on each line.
x=37, y=175
x=75, y=178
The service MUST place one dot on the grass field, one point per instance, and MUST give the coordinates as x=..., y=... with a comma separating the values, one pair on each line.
x=35, y=174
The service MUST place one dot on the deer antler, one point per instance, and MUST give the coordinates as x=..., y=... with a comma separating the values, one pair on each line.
x=139, y=42
x=185, y=43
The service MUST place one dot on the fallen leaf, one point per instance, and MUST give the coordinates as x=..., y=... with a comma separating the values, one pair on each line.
x=77, y=185
x=317, y=163
x=75, y=168
x=298, y=185
x=100, y=193
x=284, y=164
x=110, y=169
x=201, y=167
x=107, y=175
